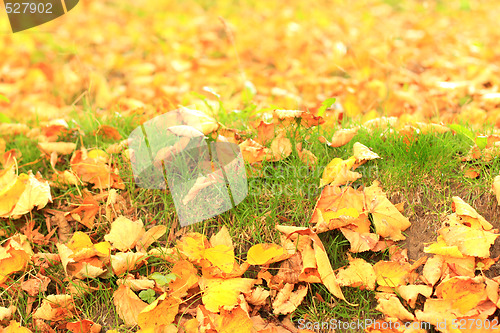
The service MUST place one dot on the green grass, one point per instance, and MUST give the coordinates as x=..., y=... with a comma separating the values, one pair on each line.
x=286, y=194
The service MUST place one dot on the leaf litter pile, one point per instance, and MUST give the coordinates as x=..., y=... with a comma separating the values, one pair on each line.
x=70, y=230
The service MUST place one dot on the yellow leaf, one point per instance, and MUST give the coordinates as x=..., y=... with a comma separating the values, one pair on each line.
x=15, y=327
x=436, y=311
x=463, y=209
x=496, y=188
x=55, y=308
x=433, y=269
x=388, y=221
x=358, y=274
x=221, y=256
x=79, y=241
x=125, y=233
x=325, y=270
x=150, y=237
x=360, y=242
x=281, y=147
x=338, y=172
x=11, y=193
x=264, y=254
x=218, y=293
x=469, y=241
x=254, y=152
x=440, y=247
x=391, y=274
x=122, y=262
x=307, y=157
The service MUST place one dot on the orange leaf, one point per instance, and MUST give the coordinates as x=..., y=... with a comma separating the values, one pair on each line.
x=14, y=256
x=288, y=300
x=128, y=305
x=108, y=132
x=160, y=313
x=464, y=293
x=233, y=321
x=391, y=274
x=83, y=326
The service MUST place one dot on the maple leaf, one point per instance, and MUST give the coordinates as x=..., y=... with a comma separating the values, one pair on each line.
x=469, y=241
x=325, y=270
x=35, y=286
x=358, y=274
x=122, y=262
x=265, y=132
x=85, y=213
x=360, y=242
x=463, y=209
x=433, y=270
x=222, y=256
x=136, y=284
x=496, y=188
x=108, y=132
x=125, y=233
x=337, y=172
x=218, y=293
x=307, y=157
x=187, y=277
x=81, y=258
x=257, y=296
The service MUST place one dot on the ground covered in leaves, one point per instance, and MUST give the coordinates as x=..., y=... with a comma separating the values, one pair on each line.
x=369, y=133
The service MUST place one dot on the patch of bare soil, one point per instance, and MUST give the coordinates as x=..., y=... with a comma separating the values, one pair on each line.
x=427, y=208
